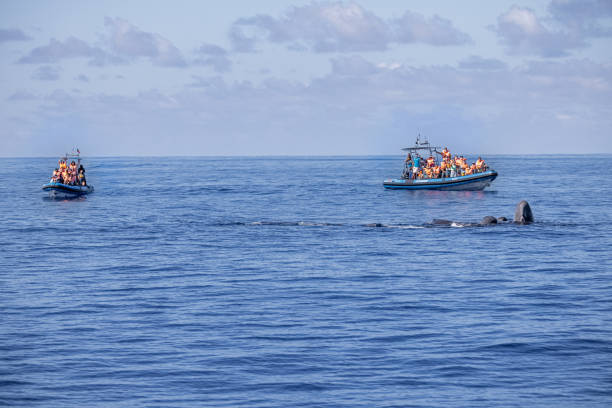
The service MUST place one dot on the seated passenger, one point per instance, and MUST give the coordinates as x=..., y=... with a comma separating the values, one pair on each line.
x=480, y=165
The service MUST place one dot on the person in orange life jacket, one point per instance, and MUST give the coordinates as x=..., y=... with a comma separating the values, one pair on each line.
x=446, y=155
x=480, y=164
x=431, y=162
x=443, y=168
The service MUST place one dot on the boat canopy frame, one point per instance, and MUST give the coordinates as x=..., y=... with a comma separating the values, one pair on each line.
x=423, y=145
x=75, y=154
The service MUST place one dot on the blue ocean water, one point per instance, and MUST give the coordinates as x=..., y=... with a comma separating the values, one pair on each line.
x=256, y=282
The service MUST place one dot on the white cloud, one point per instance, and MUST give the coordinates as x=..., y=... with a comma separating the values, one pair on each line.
x=590, y=18
x=342, y=27
x=127, y=40
x=12, y=34
x=213, y=56
x=46, y=73
x=357, y=106
x=522, y=33
x=124, y=43
x=353, y=66
x=570, y=24
x=477, y=62
x=414, y=27
x=57, y=50
x=22, y=95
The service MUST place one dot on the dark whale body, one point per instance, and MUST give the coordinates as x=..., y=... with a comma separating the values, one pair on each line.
x=523, y=214
x=488, y=220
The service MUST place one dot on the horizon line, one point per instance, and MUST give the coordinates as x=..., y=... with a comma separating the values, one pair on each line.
x=303, y=155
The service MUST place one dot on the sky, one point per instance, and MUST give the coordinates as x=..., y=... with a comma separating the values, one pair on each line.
x=276, y=77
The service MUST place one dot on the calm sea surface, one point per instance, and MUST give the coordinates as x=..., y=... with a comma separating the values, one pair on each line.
x=255, y=282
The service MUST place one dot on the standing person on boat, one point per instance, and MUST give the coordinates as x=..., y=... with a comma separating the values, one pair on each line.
x=446, y=155
x=73, y=167
x=415, y=165
x=408, y=167
x=81, y=178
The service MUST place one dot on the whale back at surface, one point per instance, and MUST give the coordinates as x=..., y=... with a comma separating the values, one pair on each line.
x=488, y=220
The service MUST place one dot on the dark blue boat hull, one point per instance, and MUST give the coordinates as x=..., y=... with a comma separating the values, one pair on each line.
x=472, y=182
x=66, y=190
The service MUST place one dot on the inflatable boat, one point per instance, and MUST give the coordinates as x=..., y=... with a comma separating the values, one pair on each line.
x=415, y=167
x=59, y=190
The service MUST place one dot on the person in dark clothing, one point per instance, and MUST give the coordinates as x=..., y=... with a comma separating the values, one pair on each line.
x=81, y=176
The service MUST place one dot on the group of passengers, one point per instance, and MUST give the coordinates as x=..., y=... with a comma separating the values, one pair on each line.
x=69, y=174
x=419, y=168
